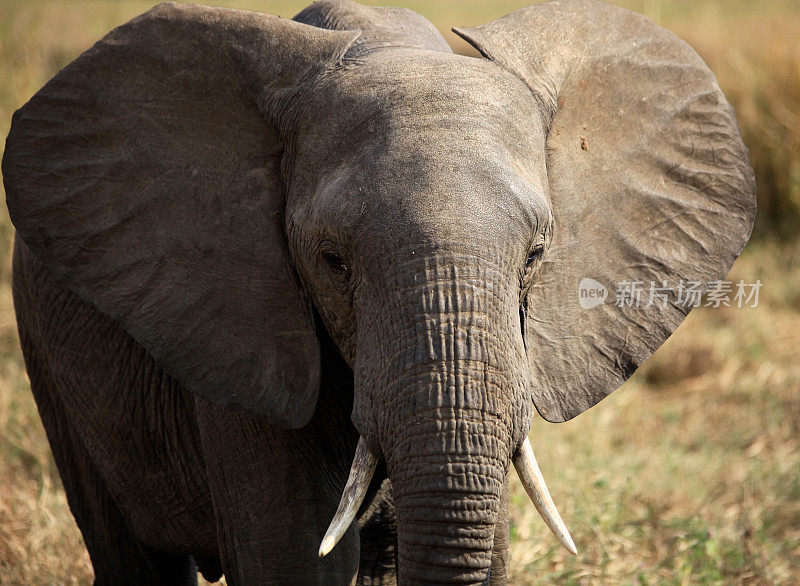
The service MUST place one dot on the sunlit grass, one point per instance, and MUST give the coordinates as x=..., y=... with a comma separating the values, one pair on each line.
x=688, y=474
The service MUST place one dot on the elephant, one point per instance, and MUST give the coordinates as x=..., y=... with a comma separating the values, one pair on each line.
x=291, y=292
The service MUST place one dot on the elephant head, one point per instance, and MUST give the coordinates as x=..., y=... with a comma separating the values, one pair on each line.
x=216, y=179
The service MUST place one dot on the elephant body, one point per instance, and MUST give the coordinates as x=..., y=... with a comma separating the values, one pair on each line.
x=140, y=456
x=251, y=251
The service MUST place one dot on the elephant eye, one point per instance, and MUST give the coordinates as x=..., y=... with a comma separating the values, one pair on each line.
x=534, y=256
x=334, y=261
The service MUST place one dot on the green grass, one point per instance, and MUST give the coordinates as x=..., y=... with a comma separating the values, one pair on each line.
x=686, y=475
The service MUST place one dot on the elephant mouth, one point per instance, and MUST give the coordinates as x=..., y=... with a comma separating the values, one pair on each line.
x=363, y=467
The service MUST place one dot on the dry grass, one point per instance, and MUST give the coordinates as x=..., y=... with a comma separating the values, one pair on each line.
x=689, y=474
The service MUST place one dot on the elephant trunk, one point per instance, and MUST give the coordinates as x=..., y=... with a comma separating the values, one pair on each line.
x=448, y=476
x=442, y=395
x=441, y=392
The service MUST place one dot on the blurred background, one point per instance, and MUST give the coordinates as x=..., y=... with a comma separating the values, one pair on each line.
x=689, y=474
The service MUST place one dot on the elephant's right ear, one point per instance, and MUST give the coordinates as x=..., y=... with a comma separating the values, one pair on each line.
x=145, y=176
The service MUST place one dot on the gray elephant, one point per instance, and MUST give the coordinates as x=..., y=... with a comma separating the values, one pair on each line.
x=264, y=265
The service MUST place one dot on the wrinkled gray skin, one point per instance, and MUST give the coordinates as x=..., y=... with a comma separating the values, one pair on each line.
x=245, y=241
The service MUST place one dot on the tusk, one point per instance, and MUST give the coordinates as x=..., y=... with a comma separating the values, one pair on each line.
x=354, y=491
x=533, y=481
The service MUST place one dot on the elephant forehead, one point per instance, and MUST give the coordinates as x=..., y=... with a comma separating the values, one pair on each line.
x=422, y=118
x=442, y=202
x=416, y=95
x=437, y=144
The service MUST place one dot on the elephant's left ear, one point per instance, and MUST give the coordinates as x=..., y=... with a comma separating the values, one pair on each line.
x=650, y=184
x=146, y=177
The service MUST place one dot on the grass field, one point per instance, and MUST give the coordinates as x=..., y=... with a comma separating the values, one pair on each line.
x=690, y=474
